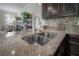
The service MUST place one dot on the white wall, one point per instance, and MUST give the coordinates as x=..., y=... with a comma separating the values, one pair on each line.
x=3, y=21
x=33, y=8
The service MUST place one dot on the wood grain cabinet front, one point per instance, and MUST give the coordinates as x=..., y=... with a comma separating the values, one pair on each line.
x=69, y=9
x=74, y=45
x=50, y=10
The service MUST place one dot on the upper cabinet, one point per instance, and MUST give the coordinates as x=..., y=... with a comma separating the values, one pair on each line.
x=50, y=10
x=69, y=9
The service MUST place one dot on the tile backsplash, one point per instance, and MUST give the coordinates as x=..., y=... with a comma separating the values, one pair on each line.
x=68, y=22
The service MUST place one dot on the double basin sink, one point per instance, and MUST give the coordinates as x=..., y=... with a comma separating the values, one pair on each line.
x=40, y=38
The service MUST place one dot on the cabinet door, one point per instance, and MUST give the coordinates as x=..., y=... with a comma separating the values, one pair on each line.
x=53, y=10
x=74, y=45
x=68, y=9
x=50, y=10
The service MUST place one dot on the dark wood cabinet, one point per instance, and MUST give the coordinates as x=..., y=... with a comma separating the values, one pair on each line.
x=69, y=9
x=69, y=46
x=74, y=45
x=63, y=49
x=51, y=10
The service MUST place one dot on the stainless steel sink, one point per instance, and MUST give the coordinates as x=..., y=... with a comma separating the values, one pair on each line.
x=43, y=40
x=30, y=39
x=40, y=38
x=49, y=35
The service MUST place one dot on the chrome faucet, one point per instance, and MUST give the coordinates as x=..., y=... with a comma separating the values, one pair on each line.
x=34, y=25
x=34, y=28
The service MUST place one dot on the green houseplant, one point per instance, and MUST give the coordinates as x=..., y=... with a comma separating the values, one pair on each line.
x=26, y=14
x=29, y=15
x=17, y=18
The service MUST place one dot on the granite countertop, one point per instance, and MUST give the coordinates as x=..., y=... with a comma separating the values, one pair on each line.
x=14, y=45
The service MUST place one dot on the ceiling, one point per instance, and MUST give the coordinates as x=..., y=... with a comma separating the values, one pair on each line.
x=12, y=7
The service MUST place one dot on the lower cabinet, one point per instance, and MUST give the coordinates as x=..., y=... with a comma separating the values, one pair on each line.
x=63, y=48
x=69, y=46
x=74, y=45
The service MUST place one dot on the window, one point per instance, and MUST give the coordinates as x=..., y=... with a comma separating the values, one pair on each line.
x=9, y=19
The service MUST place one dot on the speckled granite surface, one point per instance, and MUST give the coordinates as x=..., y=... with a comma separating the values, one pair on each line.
x=14, y=45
